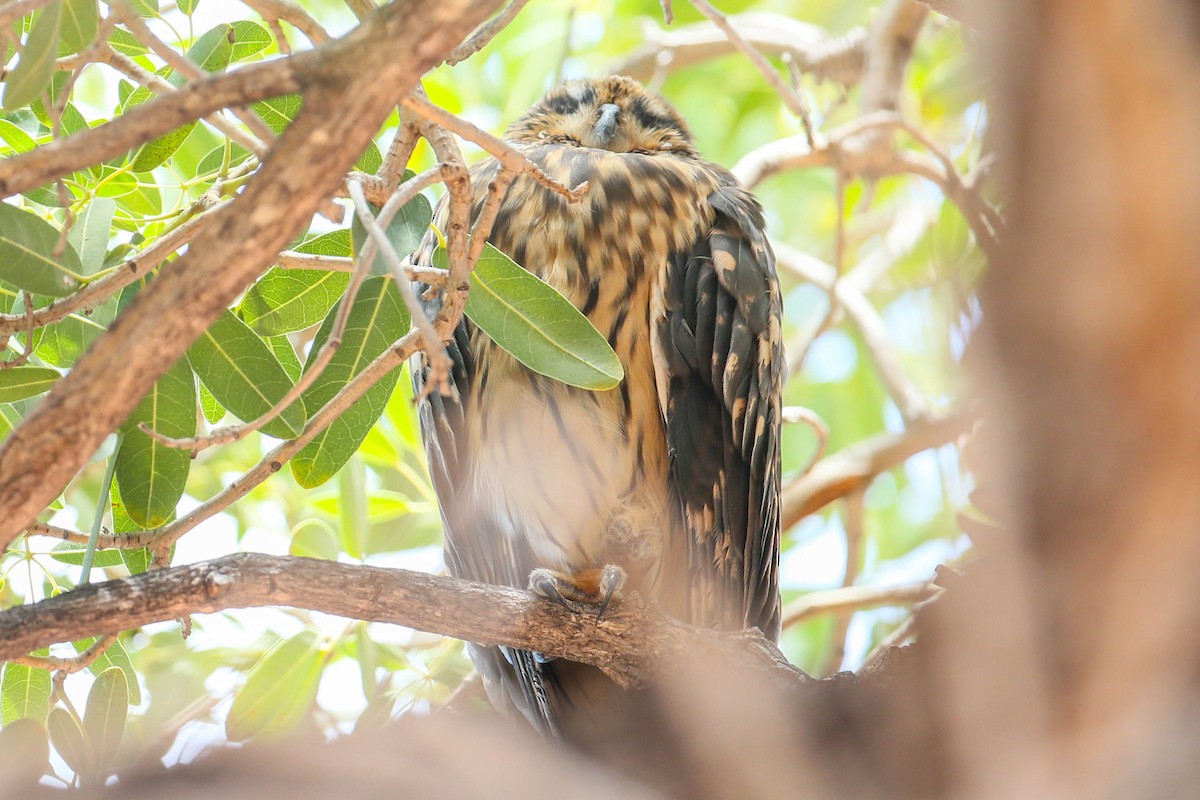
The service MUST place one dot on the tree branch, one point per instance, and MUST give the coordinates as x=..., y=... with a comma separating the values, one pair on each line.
x=633, y=644
x=354, y=83
x=857, y=465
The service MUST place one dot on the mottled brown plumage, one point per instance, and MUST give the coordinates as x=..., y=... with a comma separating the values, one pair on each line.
x=674, y=475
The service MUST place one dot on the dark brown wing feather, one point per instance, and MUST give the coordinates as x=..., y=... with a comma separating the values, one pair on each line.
x=721, y=350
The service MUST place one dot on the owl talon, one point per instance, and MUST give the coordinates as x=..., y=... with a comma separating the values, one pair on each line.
x=580, y=591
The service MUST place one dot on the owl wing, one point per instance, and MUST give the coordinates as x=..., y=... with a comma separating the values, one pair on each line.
x=513, y=678
x=719, y=364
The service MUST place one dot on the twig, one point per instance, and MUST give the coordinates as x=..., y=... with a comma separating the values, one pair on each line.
x=27, y=309
x=790, y=98
x=154, y=118
x=14, y=10
x=435, y=350
x=854, y=555
x=185, y=68
x=509, y=156
x=485, y=33
x=799, y=414
x=858, y=308
x=290, y=259
x=294, y=15
x=813, y=49
x=903, y=631
x=159, y=85
x=134, y=267
x=856, y=466
x=855, y=598
x=68, y=665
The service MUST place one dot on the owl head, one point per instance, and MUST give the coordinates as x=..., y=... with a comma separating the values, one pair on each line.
x=614, y=113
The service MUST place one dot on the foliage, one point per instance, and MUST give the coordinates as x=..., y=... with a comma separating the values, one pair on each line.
x=360, y=491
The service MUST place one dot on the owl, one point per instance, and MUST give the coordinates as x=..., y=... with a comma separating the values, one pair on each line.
x=668, y=484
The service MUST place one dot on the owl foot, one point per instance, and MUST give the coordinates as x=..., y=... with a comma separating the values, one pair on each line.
x=580, y=591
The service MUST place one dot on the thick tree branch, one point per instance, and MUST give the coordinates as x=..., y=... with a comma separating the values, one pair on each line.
x=633, y=644
x=355, y=82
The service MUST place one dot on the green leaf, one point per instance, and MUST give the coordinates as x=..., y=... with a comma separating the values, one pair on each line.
x=136, y=561
x=214, y=412
x=80, y=24
x=35, y=66
x=377, y=319
x=8, y=420
x=536, y=324
x=286, y=354
x=72, y=553
x=104, y=717
x=314, y=538
x=24, y=693
x=89, y=234
x=62, y=343
x=287, y=300
x=115, y=184
x=249, y=39
x=145, y=8
x=150, y=475
x=278, y=113
x=187, y=6
x=27, y=245
x=155, y=152
x=68, y=740
x=278, y=691
x=126, y=43
x=116, y=656
x=24, y=753
x=214, y=158
x=244, y=376
x=144, y=200
x=18, y=141
x=405, y=231
x=212, y=52
x=18, y=383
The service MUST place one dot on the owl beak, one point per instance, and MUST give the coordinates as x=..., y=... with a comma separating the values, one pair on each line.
x=606, y=126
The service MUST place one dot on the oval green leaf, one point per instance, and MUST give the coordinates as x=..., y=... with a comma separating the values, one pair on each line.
x=62, y=343
x=377, y=319
x=35, y=67
x=72, y=553
x=287, y=300
x=116, y=656
x=405, y=231
x=244, y=375
x=18, y=383
x=68, y=740
x=27, y=245
x=104, y=717
x=249, y=39
x=80, y=24
x=24, y=754
x=278, y=691
x=18, y=141
x=150, y=475
x=214, y=412
x=24, y=693
x=89, y=234
x=278, y=113
x=537, y=325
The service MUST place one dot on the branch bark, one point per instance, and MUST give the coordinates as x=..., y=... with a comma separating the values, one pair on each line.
x=633, y=644
x=355, y=82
